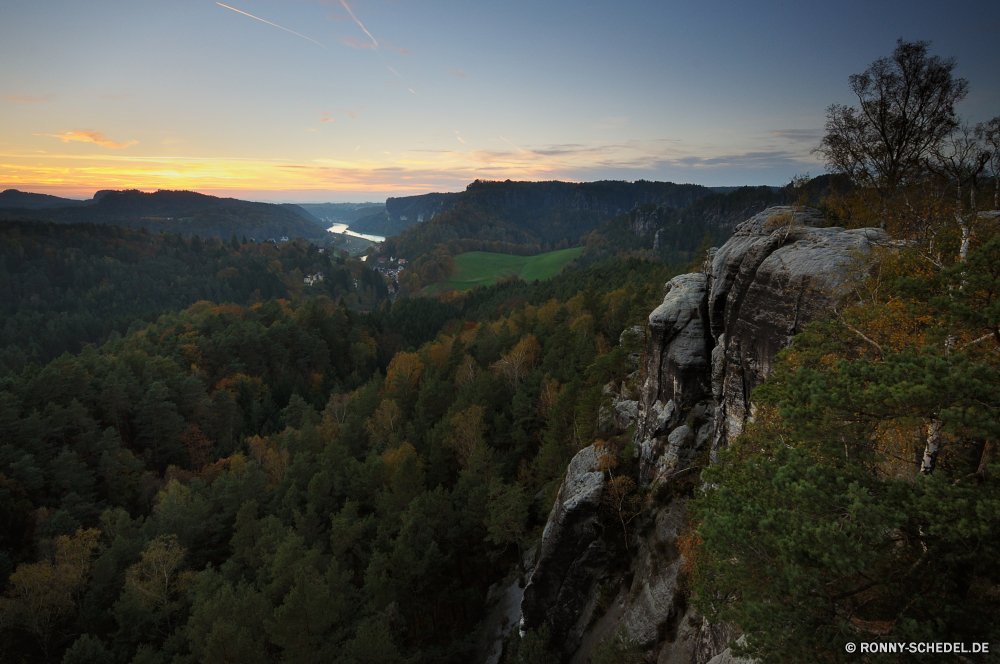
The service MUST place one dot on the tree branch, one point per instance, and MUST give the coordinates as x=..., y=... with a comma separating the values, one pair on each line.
x=857, y=331
x=986, y=336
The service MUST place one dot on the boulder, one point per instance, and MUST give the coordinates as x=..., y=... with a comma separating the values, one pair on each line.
x=727, y=657
x=626, y=412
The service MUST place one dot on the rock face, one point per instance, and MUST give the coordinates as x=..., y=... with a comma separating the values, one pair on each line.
x=645, y=220
x=572, y=555
x=675, y=405
x=779, y=271
x=710, y=343
x=776, y=274
x=504, y=610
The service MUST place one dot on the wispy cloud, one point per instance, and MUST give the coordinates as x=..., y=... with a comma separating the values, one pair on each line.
x=327, y=117
x=752, y=160
x=799, y=135
x=88, y=136
x=29, y=99
x=612, y=122
x=353, y=41
x=269, y=23
x=459, y=137
x=458, y=73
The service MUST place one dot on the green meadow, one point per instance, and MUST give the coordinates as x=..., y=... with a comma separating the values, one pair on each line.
x=482, y=268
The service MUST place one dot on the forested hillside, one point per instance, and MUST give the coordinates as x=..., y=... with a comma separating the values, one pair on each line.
x=296, y=481
x=185, y=212
x=63, y=286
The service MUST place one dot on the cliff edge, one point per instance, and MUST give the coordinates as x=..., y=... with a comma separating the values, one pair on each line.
x=709, y=344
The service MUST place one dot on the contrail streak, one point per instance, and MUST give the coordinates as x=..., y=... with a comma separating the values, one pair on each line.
x=276, y=25
x=374, y=41
x=512, y=145
x=378, y=51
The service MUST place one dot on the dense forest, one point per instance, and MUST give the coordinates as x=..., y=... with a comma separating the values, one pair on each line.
x=63, y=286
x=281, y=477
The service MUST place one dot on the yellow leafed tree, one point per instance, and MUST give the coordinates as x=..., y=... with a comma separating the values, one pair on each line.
x=518, y=363
x=157, y=579
x=467, y=428
x=41, y=595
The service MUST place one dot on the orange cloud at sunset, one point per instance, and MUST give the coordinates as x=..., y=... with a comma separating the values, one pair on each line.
x=86, y=136
x=30, y=99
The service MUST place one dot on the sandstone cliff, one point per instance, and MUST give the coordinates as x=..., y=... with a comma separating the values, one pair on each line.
x=709, y=344
x=607, y=198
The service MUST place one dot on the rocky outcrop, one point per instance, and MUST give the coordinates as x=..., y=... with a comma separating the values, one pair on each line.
x=573, y=554
x=778, y=272
x=709, y=344
x=727, y=657
x=645, y=220
x=675, y=405
x=415, y=209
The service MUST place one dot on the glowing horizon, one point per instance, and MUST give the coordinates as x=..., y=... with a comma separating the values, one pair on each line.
x=408, y=173
x=408, y=98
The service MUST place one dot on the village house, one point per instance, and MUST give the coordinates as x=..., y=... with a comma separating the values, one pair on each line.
x=313, y=278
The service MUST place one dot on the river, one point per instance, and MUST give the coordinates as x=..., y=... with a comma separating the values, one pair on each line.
x=342, y=229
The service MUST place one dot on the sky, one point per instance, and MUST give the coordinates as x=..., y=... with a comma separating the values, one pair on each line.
x=357, y=100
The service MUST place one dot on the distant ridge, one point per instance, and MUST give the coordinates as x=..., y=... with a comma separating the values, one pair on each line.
x=186, y=212
x=12, y=198
x=516, y=201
